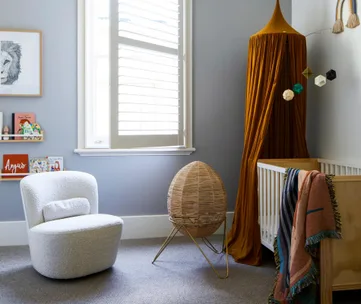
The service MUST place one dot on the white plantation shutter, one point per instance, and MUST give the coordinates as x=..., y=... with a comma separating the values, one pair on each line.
x=146, y=73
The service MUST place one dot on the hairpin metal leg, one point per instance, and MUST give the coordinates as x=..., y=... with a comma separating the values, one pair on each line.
x=205, y=256
x=167, y=241
x=206, y=241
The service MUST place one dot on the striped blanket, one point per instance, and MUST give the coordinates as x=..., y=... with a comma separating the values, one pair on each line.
x=308, y=215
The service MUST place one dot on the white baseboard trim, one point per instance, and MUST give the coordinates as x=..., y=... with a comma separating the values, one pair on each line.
x=13, y=234
x=135, y=227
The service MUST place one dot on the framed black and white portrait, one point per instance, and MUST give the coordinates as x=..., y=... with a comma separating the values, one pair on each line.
x=20, y=63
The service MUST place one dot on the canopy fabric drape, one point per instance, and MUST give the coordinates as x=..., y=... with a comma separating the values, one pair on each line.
x=274, y=127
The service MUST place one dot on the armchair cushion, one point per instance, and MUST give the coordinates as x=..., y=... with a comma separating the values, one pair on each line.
x=66, y=208
x=72, y=225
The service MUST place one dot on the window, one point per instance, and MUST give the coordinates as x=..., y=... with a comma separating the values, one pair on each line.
x=135, y=77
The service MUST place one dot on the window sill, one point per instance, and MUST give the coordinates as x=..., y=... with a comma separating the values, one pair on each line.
x=133, y=152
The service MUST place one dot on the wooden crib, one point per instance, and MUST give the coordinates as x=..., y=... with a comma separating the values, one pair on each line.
x=340, y=259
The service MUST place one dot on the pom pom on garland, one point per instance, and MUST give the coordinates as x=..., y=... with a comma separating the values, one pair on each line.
x=288, y=95
x=297, y=88
x=307, y=73
x=331, y=75
x=320, y=81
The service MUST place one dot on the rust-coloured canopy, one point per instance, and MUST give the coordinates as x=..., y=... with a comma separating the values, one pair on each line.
x=274, y=127
x=277, y=24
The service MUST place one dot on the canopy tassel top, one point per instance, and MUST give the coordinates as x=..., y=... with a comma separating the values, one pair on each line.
x=277, y=24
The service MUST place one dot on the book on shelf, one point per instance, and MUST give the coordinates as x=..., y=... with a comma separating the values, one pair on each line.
x=1, y=124
x=17, y=166
x=55, y=163
x=14, y=165
x=46, y=164
x=19, y=119
x=38, y=165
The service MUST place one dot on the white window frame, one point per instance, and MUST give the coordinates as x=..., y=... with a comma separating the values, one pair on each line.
x=85, y=107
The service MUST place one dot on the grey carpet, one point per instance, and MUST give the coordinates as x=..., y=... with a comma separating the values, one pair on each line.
x=181, y=275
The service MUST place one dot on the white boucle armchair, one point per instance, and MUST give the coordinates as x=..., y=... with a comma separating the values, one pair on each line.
x=67, y=237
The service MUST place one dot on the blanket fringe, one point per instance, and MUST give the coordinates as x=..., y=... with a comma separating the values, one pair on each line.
x=309, y=279
x=271, y=299
x=331, y=189
x=316, y=239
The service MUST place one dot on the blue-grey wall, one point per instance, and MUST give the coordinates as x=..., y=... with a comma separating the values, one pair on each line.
x=333, y=110
x=137, y=185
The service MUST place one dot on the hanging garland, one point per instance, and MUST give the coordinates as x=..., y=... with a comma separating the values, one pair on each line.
x=319, y=81
x=352, y=22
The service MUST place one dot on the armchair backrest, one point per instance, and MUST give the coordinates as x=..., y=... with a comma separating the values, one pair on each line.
x=39, y=189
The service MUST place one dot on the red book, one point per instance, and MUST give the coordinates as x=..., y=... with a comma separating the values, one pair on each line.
x=19, y=119
x=15, y=163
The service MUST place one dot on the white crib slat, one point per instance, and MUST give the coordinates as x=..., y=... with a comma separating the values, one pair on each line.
x=264, y=202
x=268, y=216
x=337, y=168
x=272, y=214
x=258, y=182
x=348, y=170
x=277, y=202
x=282, y=177
x=261, y=201
x=258, y=192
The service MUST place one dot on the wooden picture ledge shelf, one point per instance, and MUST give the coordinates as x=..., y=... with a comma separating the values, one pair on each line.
x=13, y=177
x=10, y=140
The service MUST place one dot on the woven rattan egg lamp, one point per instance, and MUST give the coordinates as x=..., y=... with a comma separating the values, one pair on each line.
x=197, y=207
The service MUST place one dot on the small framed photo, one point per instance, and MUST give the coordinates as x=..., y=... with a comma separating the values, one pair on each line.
x=21, y=62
